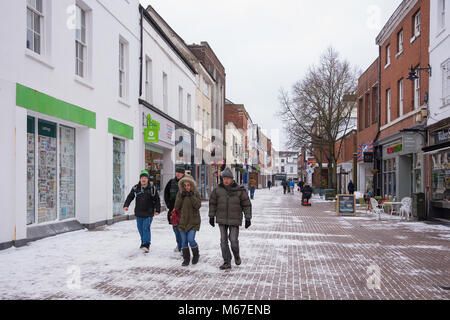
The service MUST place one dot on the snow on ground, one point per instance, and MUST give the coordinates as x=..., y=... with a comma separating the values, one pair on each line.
x=50, y=268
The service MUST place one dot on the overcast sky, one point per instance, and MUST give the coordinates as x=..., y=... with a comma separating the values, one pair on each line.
x=266, y=45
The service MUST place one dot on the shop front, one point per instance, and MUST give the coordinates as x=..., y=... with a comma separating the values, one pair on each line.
x=439, y=159
x=159, y=147
x=365, y=173
x=402, y=165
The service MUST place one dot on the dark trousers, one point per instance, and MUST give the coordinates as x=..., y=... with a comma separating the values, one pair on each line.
x=230, y=233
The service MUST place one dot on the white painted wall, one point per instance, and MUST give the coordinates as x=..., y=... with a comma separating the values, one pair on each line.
x=53, y=73
x=439, y=53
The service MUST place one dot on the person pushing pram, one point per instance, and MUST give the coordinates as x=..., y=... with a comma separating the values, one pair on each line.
x=306, y=195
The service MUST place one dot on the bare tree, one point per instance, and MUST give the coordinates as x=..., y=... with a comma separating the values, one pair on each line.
x=316, y=113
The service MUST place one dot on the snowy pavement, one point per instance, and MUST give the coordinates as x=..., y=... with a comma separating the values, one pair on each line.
x=289, y=252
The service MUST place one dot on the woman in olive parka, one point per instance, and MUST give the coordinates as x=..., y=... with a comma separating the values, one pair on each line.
x=189, y=202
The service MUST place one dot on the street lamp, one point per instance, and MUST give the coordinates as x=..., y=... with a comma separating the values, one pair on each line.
x=412, y=75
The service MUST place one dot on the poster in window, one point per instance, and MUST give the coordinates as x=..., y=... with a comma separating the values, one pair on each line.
x=118, y=176
x=67, y=173
x=30, y=171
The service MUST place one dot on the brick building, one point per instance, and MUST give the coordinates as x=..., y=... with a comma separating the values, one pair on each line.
x=368, y=125
x=345, y=173
x=403, y=43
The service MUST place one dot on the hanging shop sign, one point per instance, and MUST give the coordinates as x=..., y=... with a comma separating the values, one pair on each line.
x=368, y=157
x=362, y=149
x=151, y=133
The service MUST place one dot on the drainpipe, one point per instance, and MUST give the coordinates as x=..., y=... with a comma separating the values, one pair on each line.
x=379, y=175
x=141, y=53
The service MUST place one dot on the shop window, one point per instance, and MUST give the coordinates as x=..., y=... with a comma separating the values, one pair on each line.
x=44, y=204
x=154, y=160
x=67, y=173
x=389, y=177
x=440, y=176
x=118, y=176
x=417, y=173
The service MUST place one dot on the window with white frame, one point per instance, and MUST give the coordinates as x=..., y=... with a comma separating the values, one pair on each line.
x=123, y=65
x=204, y=123
x=388, y=105
x=417, y=91
x=400, y=41
x=446, y=83
x=388, y=55
x=165, y=93
x=416, y=19
x=188, y=107
x=35, y=17
x=441, y=14
x=205, y=87
x=198, y=120
x=80, y=43
x=180, y=103
x=149, y=80
x=400, y=97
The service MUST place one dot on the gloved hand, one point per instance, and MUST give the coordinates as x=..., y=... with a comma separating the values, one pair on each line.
x=247, y=224
x=211, y=222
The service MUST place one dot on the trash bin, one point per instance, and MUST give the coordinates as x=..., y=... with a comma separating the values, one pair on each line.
x=418, y=206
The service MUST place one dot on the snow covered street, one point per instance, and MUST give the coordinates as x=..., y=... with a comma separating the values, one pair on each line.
x=289, y=252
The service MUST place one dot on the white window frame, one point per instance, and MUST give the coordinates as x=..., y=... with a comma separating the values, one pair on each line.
x=123, y=69
x=400, y=41
x=388, y=105
x=441, y=15
x=401, y=97
x=417, y=91
x=40, y=14
x=149, y=80
x=445, y=67
x=189, y=111
x=180, y=104
x=165, y=92
x=80, y=43
x=388, y=55
x=417, y=24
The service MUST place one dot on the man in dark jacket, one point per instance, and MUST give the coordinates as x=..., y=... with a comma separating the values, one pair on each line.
x=147, y=206
x=351, y=187
x=226, y=204
x=170, y=195
x=284, y=184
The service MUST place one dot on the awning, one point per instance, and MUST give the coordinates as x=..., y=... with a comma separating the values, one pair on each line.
x=436, y=148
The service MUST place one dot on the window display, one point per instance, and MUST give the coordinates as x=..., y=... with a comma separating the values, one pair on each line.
x=390, y=181
x=118, y=176
x=154, y=164
x=417, y=173
x=440, y=176
x=47, y=171
x=31, y=147
x=67, y=173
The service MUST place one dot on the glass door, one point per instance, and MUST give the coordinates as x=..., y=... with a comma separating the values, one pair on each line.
x=118, y=176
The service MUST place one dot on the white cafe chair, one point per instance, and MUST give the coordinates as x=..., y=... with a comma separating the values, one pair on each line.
x=406, y=208
x=374, y=207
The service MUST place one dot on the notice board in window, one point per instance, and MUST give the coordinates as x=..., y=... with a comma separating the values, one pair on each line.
x=346, y=205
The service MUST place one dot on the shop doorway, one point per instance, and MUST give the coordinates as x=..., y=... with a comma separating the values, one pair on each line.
x=154, y=163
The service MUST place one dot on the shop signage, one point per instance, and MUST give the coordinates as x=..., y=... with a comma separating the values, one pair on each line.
x=151, y=133
x=441, y=136
x=362, y=149
x=368, y=157
x=46, y=129
x=394, y=149
x=312, y=161
x=346, y=205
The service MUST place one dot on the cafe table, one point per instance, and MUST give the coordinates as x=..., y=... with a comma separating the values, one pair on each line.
x=390, y=206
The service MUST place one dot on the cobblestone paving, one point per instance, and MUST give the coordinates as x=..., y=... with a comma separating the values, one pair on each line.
x=289, y=252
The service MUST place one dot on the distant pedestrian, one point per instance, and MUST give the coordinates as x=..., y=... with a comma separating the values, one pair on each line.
x=351, y=187
x=147, y=206
x=189, y=202
x=284, y=184
x=227, y=204
x=269, y=184
x=252, y=191
x=300, y=185
x=306, y=193
x=291, y=186
x=170, y=195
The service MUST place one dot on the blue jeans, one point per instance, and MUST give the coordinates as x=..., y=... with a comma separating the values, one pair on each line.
x=188, y=238
x=177, y=237
x=143, y=225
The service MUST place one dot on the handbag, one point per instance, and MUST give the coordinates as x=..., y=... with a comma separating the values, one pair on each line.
x=175, y=217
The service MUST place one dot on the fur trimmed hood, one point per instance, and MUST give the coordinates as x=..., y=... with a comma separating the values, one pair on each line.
x=188, y=179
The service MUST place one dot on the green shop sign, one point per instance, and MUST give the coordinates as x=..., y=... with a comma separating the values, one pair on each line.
x=151, y=133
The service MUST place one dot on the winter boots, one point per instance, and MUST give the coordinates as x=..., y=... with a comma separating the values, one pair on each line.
x=145, y=247
x=195, y=255
x=186, y=256
x=237, y=260
x=225, y=266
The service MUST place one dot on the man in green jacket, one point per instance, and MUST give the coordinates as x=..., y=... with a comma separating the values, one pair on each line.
x=227, y=204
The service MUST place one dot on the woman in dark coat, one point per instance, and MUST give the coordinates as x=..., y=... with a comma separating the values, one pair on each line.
x=351, y=187
x=189, y=202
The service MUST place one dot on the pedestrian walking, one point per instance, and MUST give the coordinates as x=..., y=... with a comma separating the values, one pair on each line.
x=227, y=204
x=188, y=202
x=284, y=184
x=291, y=186
x=306, y=194
x=252, y=191
x=269, y=184
x=170, y=195
x=300, y=185
x=147, y=206
x=351, y=187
